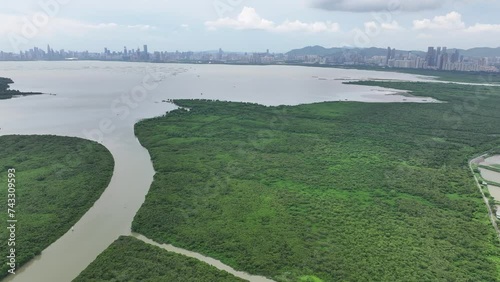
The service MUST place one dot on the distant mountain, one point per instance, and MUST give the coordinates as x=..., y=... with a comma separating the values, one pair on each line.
x=314, y=50
x=482, y=52
x=373, y=51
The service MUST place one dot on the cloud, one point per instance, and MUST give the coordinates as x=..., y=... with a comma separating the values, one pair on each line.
x=141, y=27
x=394, y=25
x=450, y=21
x=315, y=27
x=249, y=19
x=484, y=28
x=17, y=23
x=377, y=5
x=389, y=26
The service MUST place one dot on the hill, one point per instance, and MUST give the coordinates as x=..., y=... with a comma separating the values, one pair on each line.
x=374, y=51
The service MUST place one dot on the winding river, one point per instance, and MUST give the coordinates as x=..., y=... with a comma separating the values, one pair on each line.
x=102, y=101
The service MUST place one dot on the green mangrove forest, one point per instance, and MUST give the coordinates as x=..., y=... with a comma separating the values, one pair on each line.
x=335, y=191
x=57, y=180
x=7, y=93
x=129, y=259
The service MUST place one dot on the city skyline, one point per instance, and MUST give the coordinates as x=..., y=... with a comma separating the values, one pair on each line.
x=142, y=46
x=436, y=58
x=249, y=25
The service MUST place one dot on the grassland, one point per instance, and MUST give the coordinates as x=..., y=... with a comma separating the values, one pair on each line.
x=129, y=259
x=7, y=93
x=57, y=180
x=330, y=191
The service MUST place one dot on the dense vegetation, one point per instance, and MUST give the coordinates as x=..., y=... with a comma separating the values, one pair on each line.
x=342, y=191
x=129, y=259
x=7, y=93
x=57, y=180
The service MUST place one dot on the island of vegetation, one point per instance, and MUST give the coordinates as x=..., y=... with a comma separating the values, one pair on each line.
x=330, y=191
x=7, y=93
x=336, y=191
x=58, y=179
x=129, y=259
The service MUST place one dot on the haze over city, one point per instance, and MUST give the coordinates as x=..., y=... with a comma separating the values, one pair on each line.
x=249, y=25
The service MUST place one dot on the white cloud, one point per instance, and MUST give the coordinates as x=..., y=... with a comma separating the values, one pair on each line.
x=450, y=21
x=249, y=19
x=394, y=25
x=378, y=5
x=484, y=28
x=453, y=22
x=315, y=27
x=391, y=26
x=141, y=27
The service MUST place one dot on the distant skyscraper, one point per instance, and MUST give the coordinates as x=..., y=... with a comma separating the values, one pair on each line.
x=125, y=50
x=49, y=52
x=455, y=56
x=438, y=56
x=145, y=54
x=389, y=51
x=219, y=56
x=431, y=57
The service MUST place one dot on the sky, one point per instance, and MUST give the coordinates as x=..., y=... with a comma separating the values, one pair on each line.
x=247, y=25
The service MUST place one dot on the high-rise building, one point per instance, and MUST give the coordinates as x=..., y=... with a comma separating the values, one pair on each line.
x=389, y=51
x=443, y=61
x=431, y=57
x=455, y=57
x=438, y=56
x=145, y=55
x=219, y=56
